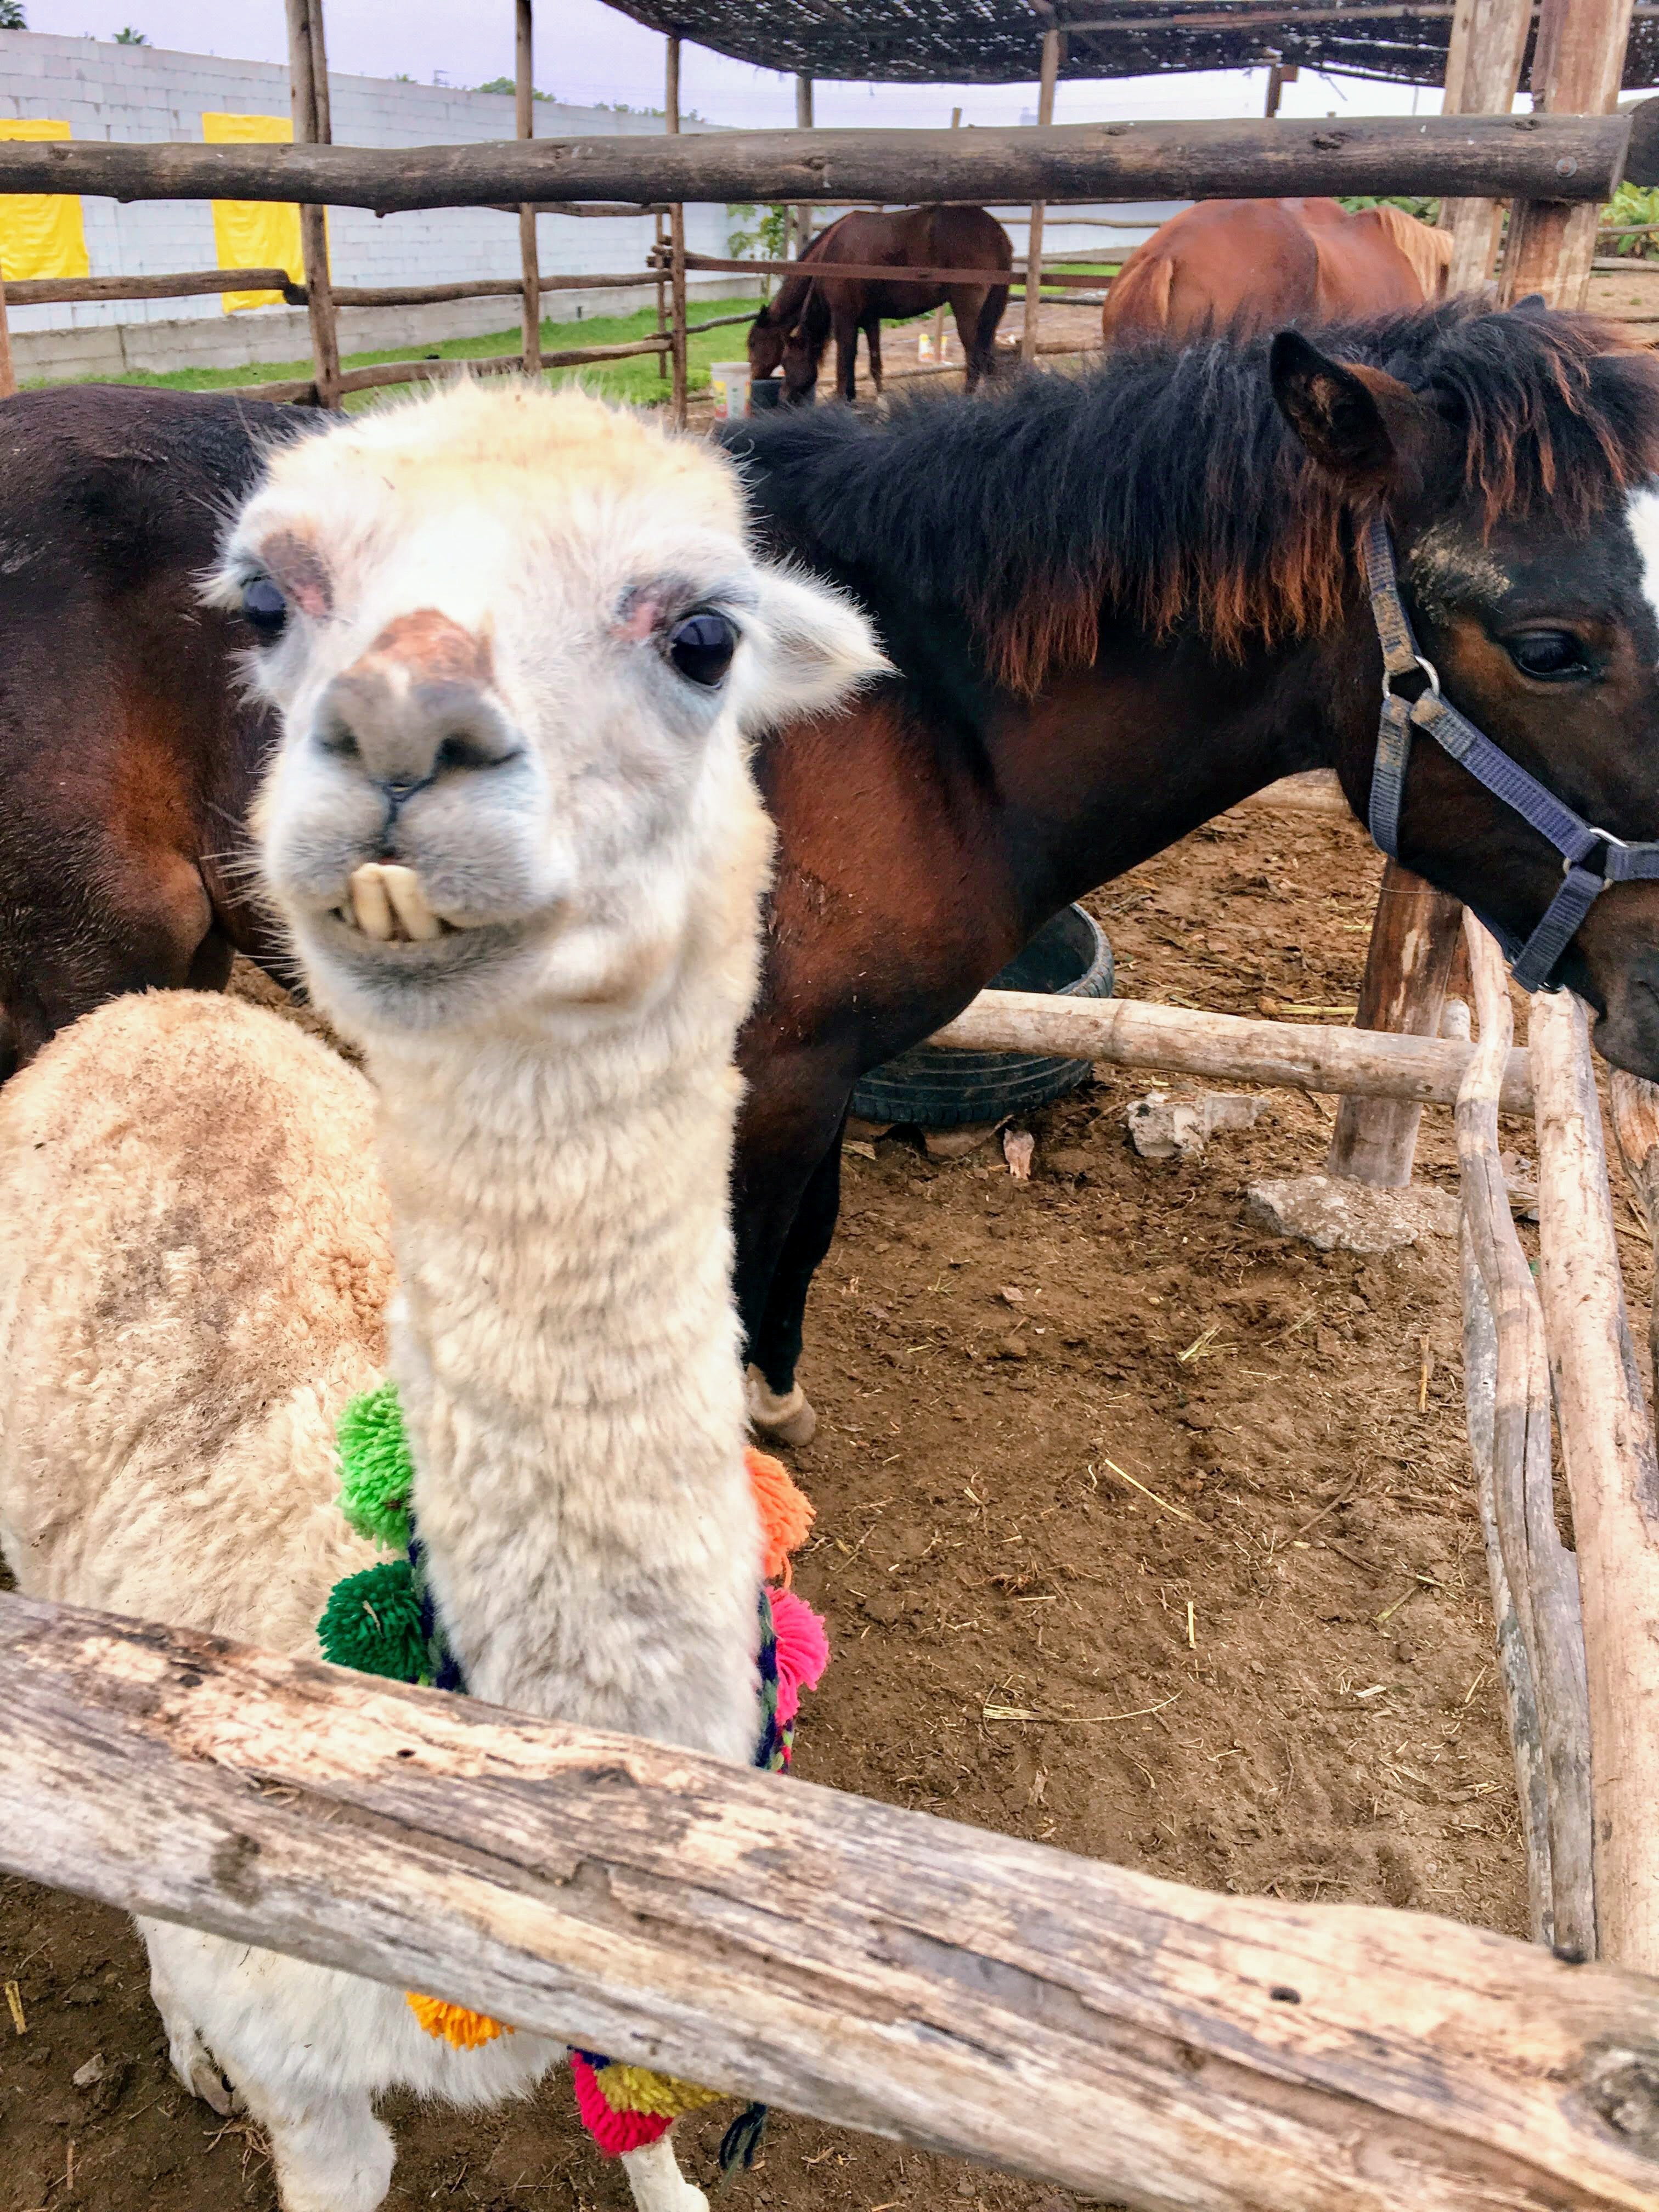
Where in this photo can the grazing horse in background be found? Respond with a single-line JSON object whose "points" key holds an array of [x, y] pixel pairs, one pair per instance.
{"points": [[1252, 265], [794, 330], [1115, 604]]}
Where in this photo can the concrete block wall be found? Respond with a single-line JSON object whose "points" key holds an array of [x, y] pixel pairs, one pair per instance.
{"points": [[137, 94]]}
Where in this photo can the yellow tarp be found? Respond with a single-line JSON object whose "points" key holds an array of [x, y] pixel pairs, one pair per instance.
{"points": [[254, 234], [40, 233]]}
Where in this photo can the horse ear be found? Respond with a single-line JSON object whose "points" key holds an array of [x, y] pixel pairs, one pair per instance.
{"points": [[1533, 303], [1352, 420]]}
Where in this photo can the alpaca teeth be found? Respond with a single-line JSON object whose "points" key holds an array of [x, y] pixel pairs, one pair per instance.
{"points": [[403, 888], [370, 904]]}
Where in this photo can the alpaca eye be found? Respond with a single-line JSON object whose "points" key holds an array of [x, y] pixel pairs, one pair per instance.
{"points": [[1546, 654], [263, 607], [700, 647]]}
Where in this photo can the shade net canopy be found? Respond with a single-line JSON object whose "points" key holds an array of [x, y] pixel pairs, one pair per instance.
{"points": [[1000, 42]]}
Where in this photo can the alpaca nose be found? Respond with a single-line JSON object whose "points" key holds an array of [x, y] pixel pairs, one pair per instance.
{"points": [[417, 706]]}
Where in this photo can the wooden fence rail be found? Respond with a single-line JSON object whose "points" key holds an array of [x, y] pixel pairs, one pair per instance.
{"points": [[1298, 1055], [1570, 157], [67, 291], [1130, 2038]]}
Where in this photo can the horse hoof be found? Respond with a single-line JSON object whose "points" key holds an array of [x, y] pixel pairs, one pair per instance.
{"points": [[786, 1421], [200, 2072]]}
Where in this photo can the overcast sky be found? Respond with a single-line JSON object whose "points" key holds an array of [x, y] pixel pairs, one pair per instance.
{"points": [[587, 52]]}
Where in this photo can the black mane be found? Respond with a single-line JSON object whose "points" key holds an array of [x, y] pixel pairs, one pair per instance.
{"points": [[1165, 488]]}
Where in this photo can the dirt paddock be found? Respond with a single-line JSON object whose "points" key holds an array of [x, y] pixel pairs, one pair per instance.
{"points": [[1140, 1532]]}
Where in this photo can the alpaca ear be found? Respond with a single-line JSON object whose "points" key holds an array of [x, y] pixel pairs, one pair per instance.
{"points": [[1356, 423], [812, 648]]}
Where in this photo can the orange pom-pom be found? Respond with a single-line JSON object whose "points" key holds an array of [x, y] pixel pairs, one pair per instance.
{"points": [[785, 1512], [465, 2029]]}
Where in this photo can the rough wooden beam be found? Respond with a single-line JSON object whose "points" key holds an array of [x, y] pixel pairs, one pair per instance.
{"points": [[8, 375], [1487, 71], [1294, 1055], [1029, 328], [64, 291], [677, 356], [525, 118], [1636, 1128], [1409, 964], [1577, 66], [308, 74], [1131, 2039], [1580, 157], [1534, 1578], [1608, 1448]]}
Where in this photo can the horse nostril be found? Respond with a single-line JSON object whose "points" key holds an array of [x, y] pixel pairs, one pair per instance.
{"points": [[338, 739], [461, 750]]}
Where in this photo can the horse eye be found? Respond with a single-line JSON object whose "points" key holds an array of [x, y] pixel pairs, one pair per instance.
{"points": [[1547, 653], [700, 647], [263, 607]]}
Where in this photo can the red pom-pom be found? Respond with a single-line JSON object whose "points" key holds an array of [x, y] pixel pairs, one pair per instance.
{"points": [[803, 1650], [614, 2132]]}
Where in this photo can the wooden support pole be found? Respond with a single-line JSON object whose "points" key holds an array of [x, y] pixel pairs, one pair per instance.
{"points": [[1483, 70], [938, 312], [676, 243], [8, 375], [1612, 1480], [1133, 2041], [1028, 336], [1578, 67], [1293, 1055], [308, 74], [1636, 1128], [801, 214], [659, 261], [1534, 1578], [1409, 964], [524, 88]]}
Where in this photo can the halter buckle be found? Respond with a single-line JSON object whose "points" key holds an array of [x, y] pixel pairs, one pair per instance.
{"points": [[1606, 837], [1424, 666]]}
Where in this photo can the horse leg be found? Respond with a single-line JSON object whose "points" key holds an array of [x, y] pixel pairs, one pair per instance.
{"points": [[654, 2175], [970, 311], [845, 327], [778, 1406], [872, 340]]}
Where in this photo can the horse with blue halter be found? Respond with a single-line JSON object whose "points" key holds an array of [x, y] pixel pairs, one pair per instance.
{"points": [[1115, 605]]}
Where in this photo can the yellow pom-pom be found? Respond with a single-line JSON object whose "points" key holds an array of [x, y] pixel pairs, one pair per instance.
{"points": [[637, 2089], [785, 1511], [466, 2030]]}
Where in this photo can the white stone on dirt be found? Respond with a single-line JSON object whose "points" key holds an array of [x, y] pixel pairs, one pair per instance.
{"points": [[1335, 1215], [1162, 1128]]}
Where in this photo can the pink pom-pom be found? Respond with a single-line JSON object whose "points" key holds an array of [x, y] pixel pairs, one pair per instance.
{"points": [[614, 2132], [803, 1650]]}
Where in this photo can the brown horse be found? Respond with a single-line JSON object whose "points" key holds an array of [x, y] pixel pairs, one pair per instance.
{"points": [[1255, 264], [794, 330], [1116, 606]]}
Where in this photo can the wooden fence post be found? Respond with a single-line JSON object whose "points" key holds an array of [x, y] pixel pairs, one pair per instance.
{"points": [[1483, 70], [1028, 340], [1408, 966], [802, 214], [524, 117], [8, 375], [308, 74], [676, 239], [1608, 1448], [1578, 67]]}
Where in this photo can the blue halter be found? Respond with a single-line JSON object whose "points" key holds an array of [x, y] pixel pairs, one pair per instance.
{"points": [[1532, 962]]}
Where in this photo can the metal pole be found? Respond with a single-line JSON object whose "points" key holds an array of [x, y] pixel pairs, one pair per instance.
{"points": [[308, 74], [524, 88], [676, 239], [1028, 341]]}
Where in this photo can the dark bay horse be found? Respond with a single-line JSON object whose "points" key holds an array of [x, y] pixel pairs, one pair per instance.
{"points": [[1257, 264], [1116, 606], [793, 329]]}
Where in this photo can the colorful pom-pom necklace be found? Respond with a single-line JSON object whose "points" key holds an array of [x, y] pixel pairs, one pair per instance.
{"points": [[383, 1621]]}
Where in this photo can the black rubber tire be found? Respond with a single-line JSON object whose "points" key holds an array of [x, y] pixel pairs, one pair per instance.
{"points": [[938, 1090]]}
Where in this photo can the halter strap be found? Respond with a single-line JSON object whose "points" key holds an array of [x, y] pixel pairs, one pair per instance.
{"points": [[1533, 961]]}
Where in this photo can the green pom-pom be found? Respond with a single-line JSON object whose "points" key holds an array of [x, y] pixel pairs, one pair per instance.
{"points": [[376, 1472], [372, 1622]]}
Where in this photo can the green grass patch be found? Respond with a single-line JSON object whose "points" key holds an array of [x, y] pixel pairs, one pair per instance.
{"points": [[635, 379]]}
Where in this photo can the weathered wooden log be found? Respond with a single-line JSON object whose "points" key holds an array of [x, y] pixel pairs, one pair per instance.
{"points": [[1577, 65], [501, 364], [1572, 157], [308, 89], [1129, 2039], [1636, 1131], [524, 88], [915, 272], [66, 291], [1534, 1578], [8, 375], [1408, 963], [1607, 1449], [1293, 1055], [300, 390]]}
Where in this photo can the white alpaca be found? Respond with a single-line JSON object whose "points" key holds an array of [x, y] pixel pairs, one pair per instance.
{"points": [[512, 827]]}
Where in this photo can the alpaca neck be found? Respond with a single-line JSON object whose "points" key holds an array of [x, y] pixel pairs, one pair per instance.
{"points": [[567, 1348]]}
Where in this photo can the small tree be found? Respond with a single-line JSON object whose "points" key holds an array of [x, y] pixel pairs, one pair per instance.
{"points": [[129, 36], [11, 15]]}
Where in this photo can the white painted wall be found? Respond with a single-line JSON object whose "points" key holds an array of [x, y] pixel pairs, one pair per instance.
{"points": [[141, 94]]}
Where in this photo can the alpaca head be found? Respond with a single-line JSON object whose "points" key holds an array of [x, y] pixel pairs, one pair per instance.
{"points": [[518, 642]]}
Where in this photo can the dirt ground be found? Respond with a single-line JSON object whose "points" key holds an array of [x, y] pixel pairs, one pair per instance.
{"points": [[1139, 1532]]}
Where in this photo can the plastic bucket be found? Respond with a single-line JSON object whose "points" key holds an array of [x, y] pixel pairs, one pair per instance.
{"points": [[765, 392], [729, 382]]}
